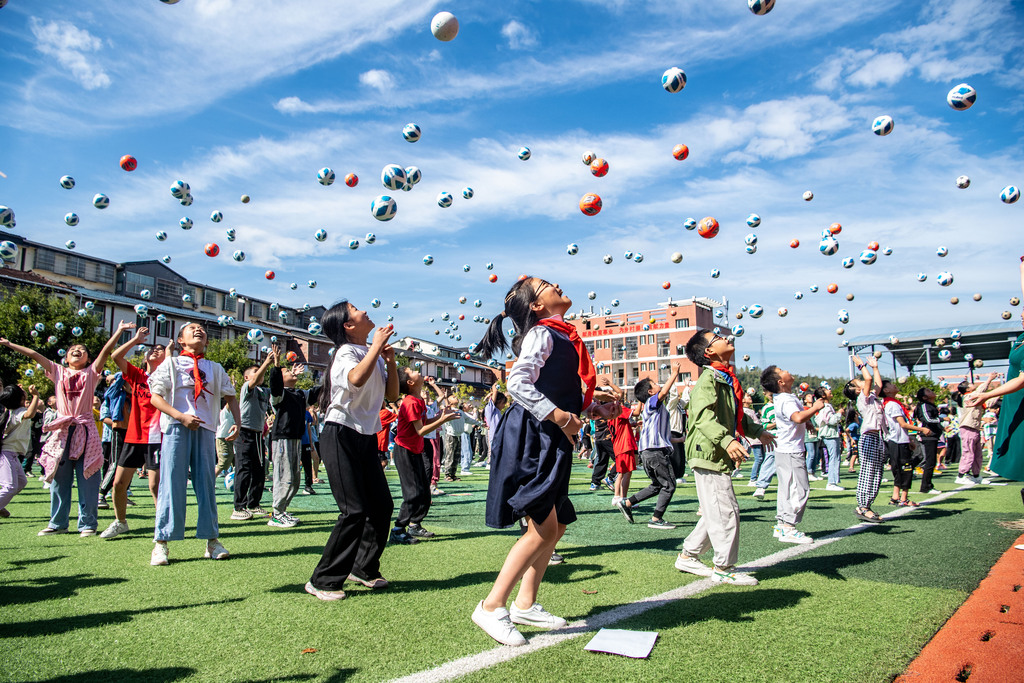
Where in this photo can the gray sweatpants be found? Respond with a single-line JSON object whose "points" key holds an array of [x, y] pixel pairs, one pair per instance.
{"points": [[287, 465], [791, 468], [719, 526]]}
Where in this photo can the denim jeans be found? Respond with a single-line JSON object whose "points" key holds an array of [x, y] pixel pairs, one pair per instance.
{"points": [[832, 448], [467, 451], [758, 452], [767, 473], [60, 495], [813, 456], [184, 449]]}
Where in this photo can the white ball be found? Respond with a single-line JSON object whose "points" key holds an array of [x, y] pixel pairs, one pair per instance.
{"points": [[325, 176], [70, 244], [314, 328], [255, 336], [141, 310], [8, 250], [572, 249], [393, 177], [750, 239], [428, 259], [216, 216], [465, 268], [186, 298], [180, 189], [607, 258], [444, 26], [676, 257], [848, 262], [238, 256], [798, 295], [921, 277], [230, 232], [320, 235], [525, 153], [638, 257], [867, 257], [761, 7], [844, 316], [1010, 194], [411, 132], [185, 223], [963, 182], [783, 312], [383, 208], [753, 220], [161, 235], [71, 219], [961, 97], [813, 288], [941, 251], [756, 311], [444, 200], [808, 196], [588, 158], [737, 330], [353, 244], [882, 125], [673, 80], [146, 294], [370, 238], [828, 246], [101, 201], [615, 302], [945, 354], [413, 175], [67, 182], [165, 258], [186, 200], [715, 272], [467, 193], [591, 295], [945, 278], [690, 223], [751, 248]]}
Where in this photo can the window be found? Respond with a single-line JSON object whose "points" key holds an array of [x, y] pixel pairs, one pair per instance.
{"points": [[100, 311], [214, 332], [104, 273], [136, 282], [255, 310], [190, 290], [210, 298], [45, 259], [141, 321], [74, 266], [163, 328], [682, 323], [125, 336], [168, 291], [590, 347], [230, 304]]}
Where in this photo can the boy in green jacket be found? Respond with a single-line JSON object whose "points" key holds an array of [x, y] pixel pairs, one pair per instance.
{"points": [[716, 417]]}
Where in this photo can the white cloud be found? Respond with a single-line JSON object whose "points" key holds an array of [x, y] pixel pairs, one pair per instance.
{"points": [[69, 44], [379, 79], [519, 37], [887, 68]]}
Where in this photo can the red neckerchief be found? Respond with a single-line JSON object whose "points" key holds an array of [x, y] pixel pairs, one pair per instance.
{"points": [[196, 377], [737, 389], [586, 369], [887, 401]]}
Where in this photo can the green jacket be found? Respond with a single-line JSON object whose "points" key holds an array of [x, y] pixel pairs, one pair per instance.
{"points": [[712, 422]]}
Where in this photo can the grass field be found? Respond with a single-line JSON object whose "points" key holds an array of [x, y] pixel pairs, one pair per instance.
{"points": [[857, 609]]}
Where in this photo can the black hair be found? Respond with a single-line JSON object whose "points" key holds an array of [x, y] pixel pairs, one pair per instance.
{"points": [[851, 415], [403, 380], [333, 326], [850, 391], [885, 383], [642, 390], [500, 399], [819, 392], [697, 346], [920, 394], [12, 396], [518, 300], [770, 379]]}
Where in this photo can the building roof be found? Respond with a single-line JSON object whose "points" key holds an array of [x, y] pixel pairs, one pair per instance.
{"points": [[987, 342], [19, 240], [28, 277]]}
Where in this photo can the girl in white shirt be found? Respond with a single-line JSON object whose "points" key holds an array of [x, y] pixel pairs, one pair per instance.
{"points": [[870, 451], [358, 380], [16, 430]]}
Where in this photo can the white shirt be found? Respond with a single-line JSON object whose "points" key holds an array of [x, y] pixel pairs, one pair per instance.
{"points": [[18, 434], [676, 405], [894, 432], [870, 410], [537, 346], [352, 406], [227, 420], [173, 382], [789, 436]]}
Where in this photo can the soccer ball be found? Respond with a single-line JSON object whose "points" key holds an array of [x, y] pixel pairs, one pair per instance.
{"points": [[591, 295], [813, 288], [599, 168], [708, 227], [351, 180], [269, 275], [216, 216], [383, 208], [238, 256], [882, 125], [444, 26], [129, 163], [165, 258], [832, 288], [887, 251], [141, 310], [715, 272], [370, 238], [945, 278], [680, 152], [1010, 194], [753, 220], [844, 316], [70, 244], [524, 153], [320, 235], [945, 354], [161, 235], [737, 330], [673, 80], [756, 311], [146, 294], [793, 244], [607, 258], [185, 223], [102, 201], [867, 257], [467, 193], [638, 257], [465, 268], [411, 132], [588, 158], [230, 232], [690, 223], [798, 295], [677, 257], [590, 204], [186, 200], [848, 262], [211, 249], [67, 182], [428, 259], [835, 228], [963, 182], [413, 175], [71, 219], [393, 177], [761, 7], [489, 266], [245, 199], [254, 336], [325, 176], [76, 331], [751, 248], [8, 250], [961, 97], [180, 189], [572, 249], [828, 246], [352, 244], [750, 239], [444, 200], [783, 312], [808, 196]]}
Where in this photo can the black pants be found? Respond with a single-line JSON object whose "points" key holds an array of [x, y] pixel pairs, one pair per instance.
{"points": [[678, 457], [415, 486], [663, 480], [361, 491], [110, 457], [953, 450], [307, 465], [931, 450], [250, 470], [899, 464], [601, 457]]}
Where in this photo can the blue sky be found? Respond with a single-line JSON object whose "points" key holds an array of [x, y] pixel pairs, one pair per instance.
{"points": [[253, 98]]}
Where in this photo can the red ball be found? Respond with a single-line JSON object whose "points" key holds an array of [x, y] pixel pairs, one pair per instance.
{"points": [[804, 386], [680, 152], [599, 167], [129, 163], [269, 275], [666, 285], [873, 246], [492, 277], [212, 249], [835, 228], [351, 180], [462, 316], [708, 227], [833, 288], [590, 204], [291, 356], [794, 244]]}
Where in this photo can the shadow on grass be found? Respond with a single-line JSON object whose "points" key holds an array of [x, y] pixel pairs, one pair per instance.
{"points": [[164, 675], [338, 676], [21, 564], [50, 627], [299, 550], [57, 588]]}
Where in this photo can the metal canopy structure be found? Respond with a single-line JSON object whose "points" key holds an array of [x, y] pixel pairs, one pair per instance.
{"points": [[990, 342]]}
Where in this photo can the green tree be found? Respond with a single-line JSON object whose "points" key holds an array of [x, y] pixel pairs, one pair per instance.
{"points": [[233, 355]]}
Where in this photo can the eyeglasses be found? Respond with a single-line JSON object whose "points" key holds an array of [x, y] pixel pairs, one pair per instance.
{"points": [[715, 337]]}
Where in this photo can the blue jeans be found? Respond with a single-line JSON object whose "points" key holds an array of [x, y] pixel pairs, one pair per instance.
{"points": [[60, 495], [185, 449], [832, 448], [767, 472], [813, 455], [758, 451], [467, 451]]}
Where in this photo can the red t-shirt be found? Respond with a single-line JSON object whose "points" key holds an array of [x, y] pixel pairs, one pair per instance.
{"points": [[144, 419], [413, 408], [386, 418], [623, 439]]}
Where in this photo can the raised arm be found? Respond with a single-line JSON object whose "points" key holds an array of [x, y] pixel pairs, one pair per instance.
{"points": [[360, 374], [101, 360], [33, 405], [25, 351], [257, 377], [667, 387], [979, 395], [118, 356]]}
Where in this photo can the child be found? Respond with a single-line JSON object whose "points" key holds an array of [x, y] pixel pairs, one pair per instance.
{"points": [[790, 458], [970, 430], [388, 416], [715, 419], [432, 454], [897, 443], [289, 406], [852, 436], [142, 438], [623, 442], [655, 447], [928, 415], [188, 390], [15, 440], [73, 450], [827, 422], [767, 471], [870, 450], [225, 449], [357, 381], [408, 458], [533, 445], [250, 470]]}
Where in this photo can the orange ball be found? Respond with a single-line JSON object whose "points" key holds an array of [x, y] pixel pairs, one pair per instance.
{"points": [[129, 163], [492, 277], [599, 167], [804, 386], [680, 152], [873, 246], [291, 356], [351, 180], [833, 288], [708, 227], [211, 249], [269, 275], [794, 244], [462, 316], [590, 204], [835, 228], [666, 285]]}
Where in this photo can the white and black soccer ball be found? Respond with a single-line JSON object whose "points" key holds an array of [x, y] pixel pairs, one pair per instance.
{"points": [[673, 80], [961, 97], [325, 176]]}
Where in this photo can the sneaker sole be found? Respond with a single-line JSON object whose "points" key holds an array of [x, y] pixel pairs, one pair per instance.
{"points": [[516, 643], [536, 624], [325, 595]]}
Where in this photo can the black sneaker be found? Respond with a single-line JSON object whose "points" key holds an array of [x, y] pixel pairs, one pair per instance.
{"points": [[419, 532], [103, 504], [400, 536], [626, 511], [555, 559], [308, 491], [130, 503]]}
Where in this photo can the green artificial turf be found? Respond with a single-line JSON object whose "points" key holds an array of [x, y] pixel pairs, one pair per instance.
{"points": [[858, 609]]}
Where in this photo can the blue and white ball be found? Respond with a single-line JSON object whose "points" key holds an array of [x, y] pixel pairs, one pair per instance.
{"points": [[945, 278], [715, 272], [887, 251], [737, 330], [311, 284], [945, 354], [673, 80], [411, 132], [413, 175], [165, 258], [615, 302], [186, 298], [638, 257], [238, 256], [393, 177], [141, 310], [761, 7], [477, 303], [71, 219], [941, 252], [314, 328], [8, 250], [325, 176], [76, 331], [921, 277], [186, 200], [756, 311], [867, 257], [848, 262], [955, 334], [444, 200], [828, 246], [185, 223], [753, 220], [467, 193], [489, 266], [101, 201], [90, 305], [67, 182], [963, 182], [229, 480], [230, 232], [161, 235], [146, 294], [59, 326], [572, 249], [844, 316], [255, 336], [375, 303], [465, 268], [428, 259], [882, 125], [180, 189], [383, 208], [216, 216], [321, 235], [1010, 194], [961, 97], [353, 244], [370, 238], [690, 223], [813, 288], [750, 239], [7, 217], [798, 295], [70, 244], [525, 153], [751, 248]]}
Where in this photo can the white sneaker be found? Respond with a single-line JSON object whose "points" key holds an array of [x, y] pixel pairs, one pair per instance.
{"points": [[615, 501], [934, 492], [732, 577], [240, 515], [834, 487], [751, 484], [794, 535], [811, 477], [692, 565], [159, 556], [960, 480], [49, 531], [465, 473], [86, 532], [680, 480], [116, 528], [979, 480], [777, 531], [758, 493], [216, 551], [535, 616], [498, 625]]}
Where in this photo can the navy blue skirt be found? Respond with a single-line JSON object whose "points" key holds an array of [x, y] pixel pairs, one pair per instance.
{"points": [[530, 466]]}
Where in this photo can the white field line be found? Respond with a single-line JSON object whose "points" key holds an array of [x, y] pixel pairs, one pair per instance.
{"points": [[488, 658]]}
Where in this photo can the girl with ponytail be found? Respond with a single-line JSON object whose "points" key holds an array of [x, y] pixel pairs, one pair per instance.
{"points": [[551, 383]]}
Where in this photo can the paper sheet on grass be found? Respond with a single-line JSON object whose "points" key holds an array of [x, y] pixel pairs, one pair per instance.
{"points": [[635, 644]]}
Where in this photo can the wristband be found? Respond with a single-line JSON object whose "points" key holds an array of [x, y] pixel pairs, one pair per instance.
{"points": [[567, 421], [861, 366]]}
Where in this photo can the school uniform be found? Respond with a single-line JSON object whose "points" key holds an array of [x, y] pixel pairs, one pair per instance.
{"points": [[655, 447], [408, 459]]}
